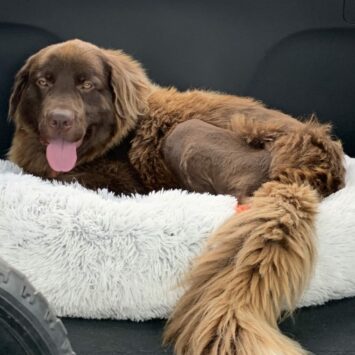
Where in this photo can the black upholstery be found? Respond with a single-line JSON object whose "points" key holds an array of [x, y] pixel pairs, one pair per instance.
{"points": [[297, 56], [312, 72]]}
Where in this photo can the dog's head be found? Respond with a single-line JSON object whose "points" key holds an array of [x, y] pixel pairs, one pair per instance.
{"points": [[78, 100]]}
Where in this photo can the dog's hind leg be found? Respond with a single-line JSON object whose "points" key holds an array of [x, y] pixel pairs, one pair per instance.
{"points": [[259, 262]]}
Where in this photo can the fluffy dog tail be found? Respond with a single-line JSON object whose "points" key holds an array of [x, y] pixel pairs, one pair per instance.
{"points": [[258, 263], [255, 266]]}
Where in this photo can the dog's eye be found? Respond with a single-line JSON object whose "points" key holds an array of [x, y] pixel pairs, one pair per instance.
{"points": [[42, 82], [87, 85]]}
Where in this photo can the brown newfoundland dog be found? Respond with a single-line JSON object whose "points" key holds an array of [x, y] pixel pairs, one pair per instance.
{"points": [[92, 115]]}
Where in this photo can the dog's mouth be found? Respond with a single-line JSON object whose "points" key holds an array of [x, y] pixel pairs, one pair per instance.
{"points": [[61, 154]]}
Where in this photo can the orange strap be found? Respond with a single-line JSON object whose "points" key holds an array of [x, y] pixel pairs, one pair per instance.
{"points": [[241, 208]]}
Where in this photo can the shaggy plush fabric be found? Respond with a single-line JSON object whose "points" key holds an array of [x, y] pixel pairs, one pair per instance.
{"points": [[94, 255]]}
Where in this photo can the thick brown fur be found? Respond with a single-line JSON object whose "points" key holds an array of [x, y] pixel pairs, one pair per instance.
{"points": [[257, 264]]}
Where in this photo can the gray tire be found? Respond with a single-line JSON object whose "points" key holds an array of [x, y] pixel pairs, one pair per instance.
{"points": [[28, 325]]}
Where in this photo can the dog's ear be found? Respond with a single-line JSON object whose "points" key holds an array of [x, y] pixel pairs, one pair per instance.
{"points": [[129, 84], [20, 83]]}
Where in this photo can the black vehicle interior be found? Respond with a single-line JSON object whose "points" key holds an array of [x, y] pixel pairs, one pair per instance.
{"points": [[296, 56]]}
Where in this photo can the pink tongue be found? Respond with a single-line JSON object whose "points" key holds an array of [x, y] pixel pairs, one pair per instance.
{"points": [[61, 155]]}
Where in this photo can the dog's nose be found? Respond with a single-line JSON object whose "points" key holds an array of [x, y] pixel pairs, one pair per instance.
{"points": [[61, 118]]}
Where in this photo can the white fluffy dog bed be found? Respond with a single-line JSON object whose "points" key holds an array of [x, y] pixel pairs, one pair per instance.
{"points": [[94, 255]]}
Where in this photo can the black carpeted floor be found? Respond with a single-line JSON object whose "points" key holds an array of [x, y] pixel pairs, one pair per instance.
{"points": [[325, 330]]}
